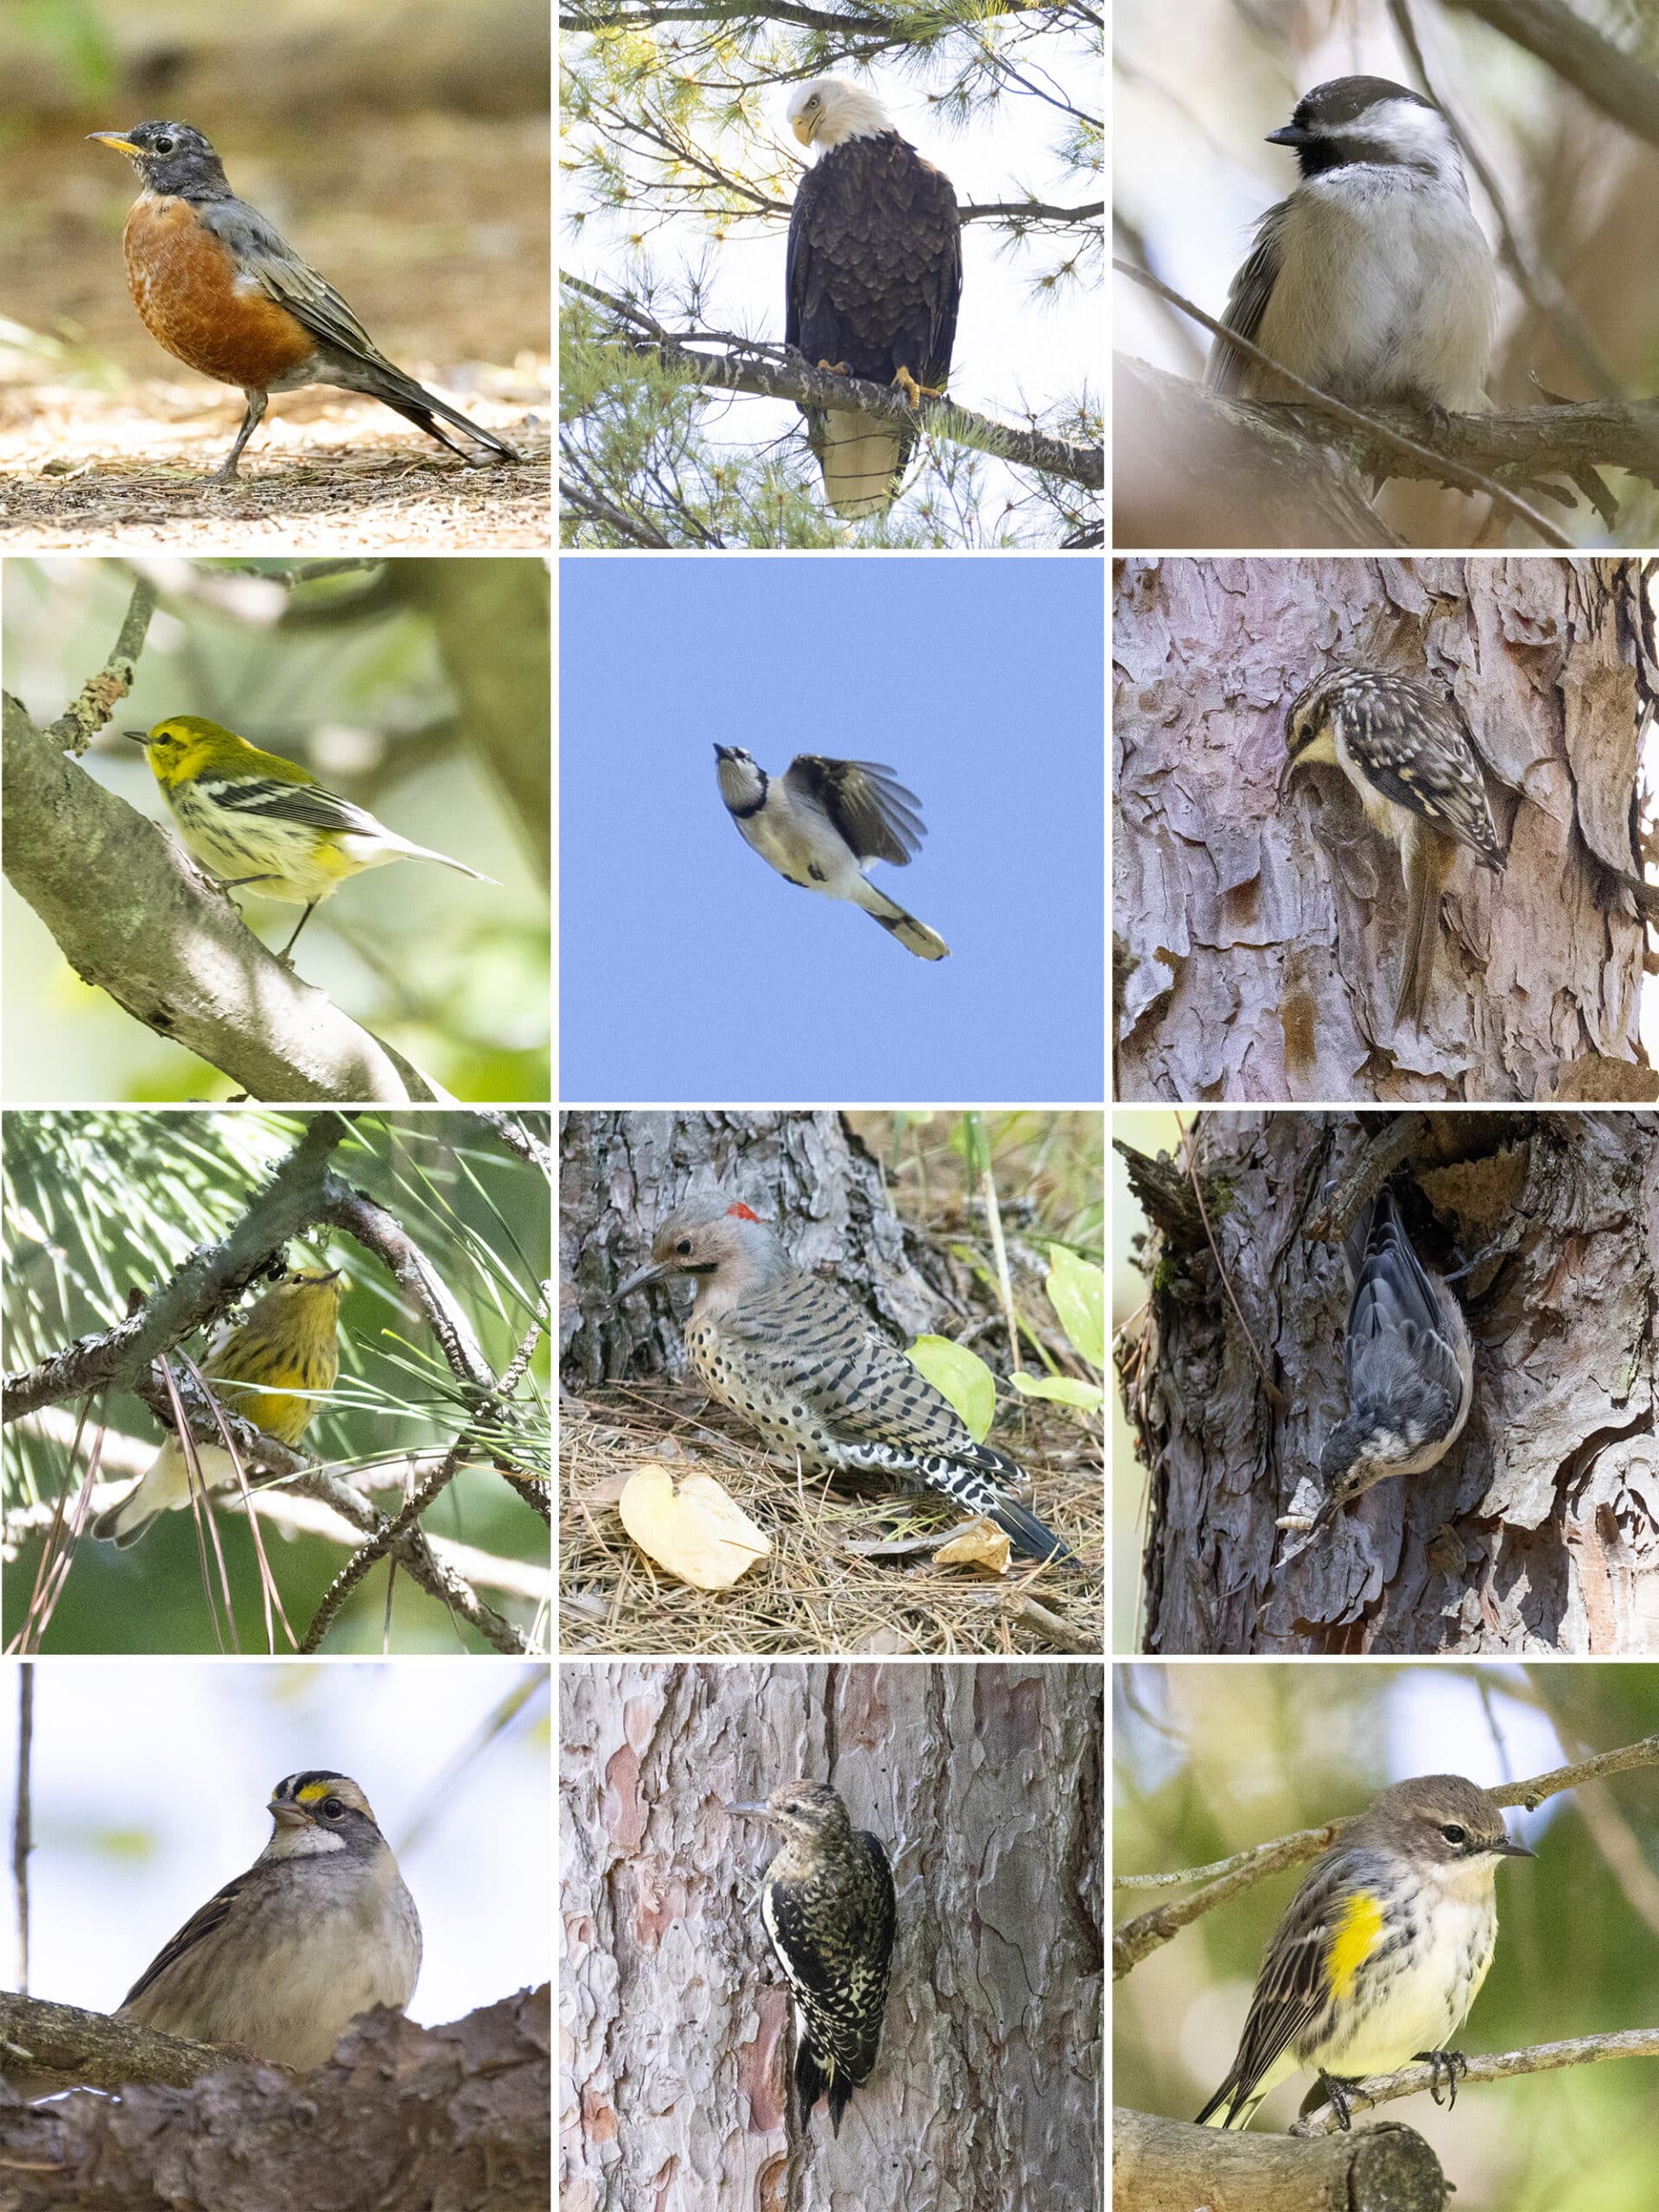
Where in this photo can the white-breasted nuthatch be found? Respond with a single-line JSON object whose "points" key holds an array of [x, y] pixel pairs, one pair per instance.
{"points": [[822, 822], [1408, 1361], [1373, 281], [1405, 748]]}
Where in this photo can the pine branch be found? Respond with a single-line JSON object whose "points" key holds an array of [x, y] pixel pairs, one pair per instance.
{"points": [[770, 371]]}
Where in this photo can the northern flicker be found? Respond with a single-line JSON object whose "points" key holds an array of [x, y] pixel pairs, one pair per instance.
{"points": [[828, 1906], [804, 1363], [821, 823]]}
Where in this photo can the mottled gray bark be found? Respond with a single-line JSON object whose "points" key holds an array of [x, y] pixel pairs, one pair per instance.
{"points": [[985, 1784], [1258, 941], [806, 1174], [1539, 1531], [1168, 2165]]}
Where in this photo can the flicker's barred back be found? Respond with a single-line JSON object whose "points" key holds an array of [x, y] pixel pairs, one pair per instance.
{"points": [[804, 1363], [828, 1906]]}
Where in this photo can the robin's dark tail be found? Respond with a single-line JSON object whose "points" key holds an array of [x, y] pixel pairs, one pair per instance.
{"points": [[421, 413]]}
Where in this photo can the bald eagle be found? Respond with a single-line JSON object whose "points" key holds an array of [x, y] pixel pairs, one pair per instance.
{"points": [[874, 276]]}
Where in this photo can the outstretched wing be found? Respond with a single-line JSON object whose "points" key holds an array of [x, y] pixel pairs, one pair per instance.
{"points": [[865, 801]]}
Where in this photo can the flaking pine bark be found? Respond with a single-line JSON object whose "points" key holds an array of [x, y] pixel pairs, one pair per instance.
{"points": [[1257, 938], [621, 1174], [1536, 1532], [984, 1784]]}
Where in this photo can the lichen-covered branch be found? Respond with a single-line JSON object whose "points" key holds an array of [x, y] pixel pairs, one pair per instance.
{"points": [[133, 916]]}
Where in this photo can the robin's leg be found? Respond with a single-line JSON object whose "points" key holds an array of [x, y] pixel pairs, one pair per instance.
{"points": [[257, 402]]}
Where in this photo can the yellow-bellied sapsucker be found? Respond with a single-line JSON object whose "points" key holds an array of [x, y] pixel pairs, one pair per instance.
{"points": [[1406, 750], [827, 1902]]}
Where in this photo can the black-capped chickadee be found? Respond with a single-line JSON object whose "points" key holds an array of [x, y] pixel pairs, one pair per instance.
{"points": [[1373, 280]]}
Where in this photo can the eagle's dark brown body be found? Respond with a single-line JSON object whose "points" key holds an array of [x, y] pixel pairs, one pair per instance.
{"points": [[874, 277]]}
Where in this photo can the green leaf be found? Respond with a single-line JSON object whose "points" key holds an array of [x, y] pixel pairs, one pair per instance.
{"points": [[965, 1379], [1065, 1389], [1077, 1294]]}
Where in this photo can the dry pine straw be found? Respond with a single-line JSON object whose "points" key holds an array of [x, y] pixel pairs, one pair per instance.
{"points": [[813, 1593]]}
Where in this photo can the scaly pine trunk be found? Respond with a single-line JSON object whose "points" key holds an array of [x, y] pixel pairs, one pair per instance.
{"points": [[1258, 944], [985, 1785]]}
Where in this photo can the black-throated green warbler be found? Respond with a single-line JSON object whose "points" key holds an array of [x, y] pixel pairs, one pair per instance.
{"points": [[264, 824], [287, 1342]]}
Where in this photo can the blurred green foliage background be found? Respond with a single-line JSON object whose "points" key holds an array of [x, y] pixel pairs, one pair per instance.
{"points": [[99, 1203], [1212, 1758]]}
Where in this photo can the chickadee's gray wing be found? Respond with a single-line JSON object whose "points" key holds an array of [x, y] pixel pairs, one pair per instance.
{"points": [[1247, 302], [1399, 1337], [871, 809]]}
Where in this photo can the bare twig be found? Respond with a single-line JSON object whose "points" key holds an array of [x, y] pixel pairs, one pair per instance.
{"points": [[1487, 2066], [22, 1838], [1137, 1939], [1430, 460]]}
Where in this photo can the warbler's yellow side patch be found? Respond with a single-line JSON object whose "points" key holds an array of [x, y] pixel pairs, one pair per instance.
{"points": [[1352, 1940]]}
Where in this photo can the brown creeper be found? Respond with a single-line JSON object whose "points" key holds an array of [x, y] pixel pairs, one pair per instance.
{"points": [[1407, 751]]}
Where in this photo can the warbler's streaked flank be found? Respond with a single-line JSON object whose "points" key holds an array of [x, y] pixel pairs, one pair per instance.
{"points": [[264, 824], [1382, 1952], [286, 1343]]}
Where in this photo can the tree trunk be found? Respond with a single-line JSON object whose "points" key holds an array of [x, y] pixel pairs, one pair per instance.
{"points": [[806, 1174], [1258, 942], [986, 2092], [1536, 1531], [403, 2119]]}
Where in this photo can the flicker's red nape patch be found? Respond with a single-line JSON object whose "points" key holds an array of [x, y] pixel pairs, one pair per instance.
{"points": [[741, 1212]]}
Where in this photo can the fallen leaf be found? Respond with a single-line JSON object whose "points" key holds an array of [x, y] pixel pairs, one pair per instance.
{"points": [[690, 1526], [982, 1544]]}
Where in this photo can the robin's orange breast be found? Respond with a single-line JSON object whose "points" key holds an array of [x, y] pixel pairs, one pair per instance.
{"points": [[184, 283]]}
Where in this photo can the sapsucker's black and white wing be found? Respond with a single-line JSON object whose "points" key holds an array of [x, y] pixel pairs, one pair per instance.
{"points": [[865, 801], [1246, 302]]}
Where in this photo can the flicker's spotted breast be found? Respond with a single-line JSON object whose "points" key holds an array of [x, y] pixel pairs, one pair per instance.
{"points": [[804, 1363]]}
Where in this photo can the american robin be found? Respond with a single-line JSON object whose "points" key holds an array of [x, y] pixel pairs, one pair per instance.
{"points": [[226, 294]]}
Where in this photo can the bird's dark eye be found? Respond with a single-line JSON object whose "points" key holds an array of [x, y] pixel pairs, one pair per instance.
{"points": [[334, 1808], [1453, 1834], [165, 145], [684, 1244]]}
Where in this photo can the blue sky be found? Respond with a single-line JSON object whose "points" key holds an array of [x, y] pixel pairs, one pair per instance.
{"points": [[689, 971]]}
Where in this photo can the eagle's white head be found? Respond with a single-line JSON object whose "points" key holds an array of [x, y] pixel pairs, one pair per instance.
{"points": [[831, 110]]}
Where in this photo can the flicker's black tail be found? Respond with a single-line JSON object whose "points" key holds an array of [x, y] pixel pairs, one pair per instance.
{"points": [[1028, 1535]]}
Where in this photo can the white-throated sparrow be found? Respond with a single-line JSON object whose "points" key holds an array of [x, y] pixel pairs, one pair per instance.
{"points": [[317, 1930]]}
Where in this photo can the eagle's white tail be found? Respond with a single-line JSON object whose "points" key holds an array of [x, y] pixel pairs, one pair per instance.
{"points": [[859, 461]]}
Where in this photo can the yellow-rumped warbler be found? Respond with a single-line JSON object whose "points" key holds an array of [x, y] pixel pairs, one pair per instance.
{"points": [[1382, 1951]]}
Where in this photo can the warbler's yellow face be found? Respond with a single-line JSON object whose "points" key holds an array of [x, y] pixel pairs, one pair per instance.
{"points": [[178, 746]]}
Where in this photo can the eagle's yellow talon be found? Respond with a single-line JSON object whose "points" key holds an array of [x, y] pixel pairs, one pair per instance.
{"points": [[916, 393]]}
